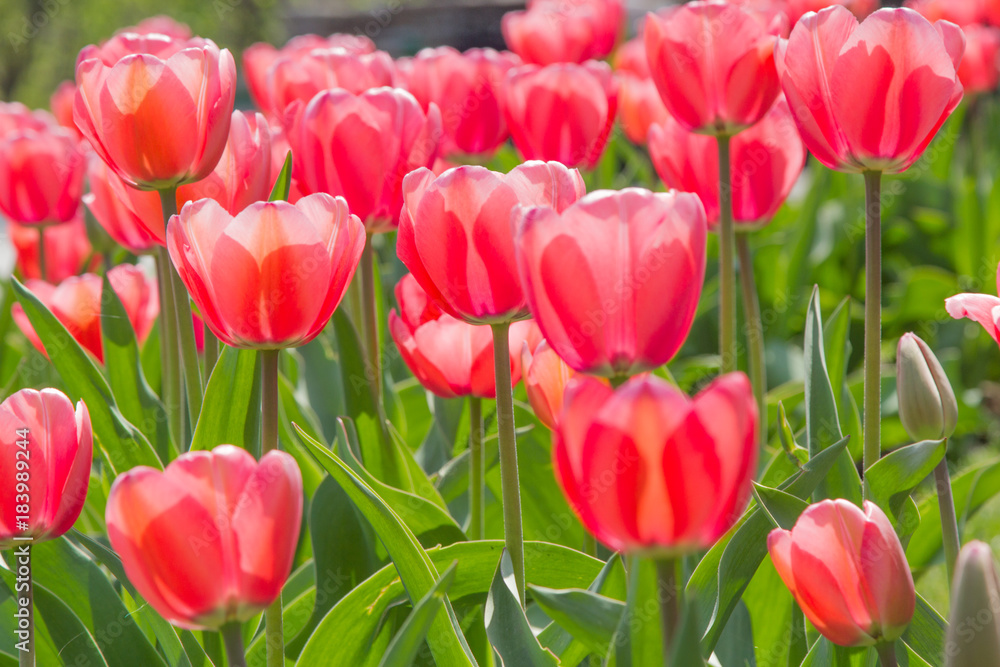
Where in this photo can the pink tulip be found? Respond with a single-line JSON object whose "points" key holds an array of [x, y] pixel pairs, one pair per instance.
{"points": [[766, 161], [796, 9], [361, 146], [133, 218], [159, 118], [61, 103], [981, 308], [41, 176], [15, 117], [979, 70], [271, 276], [631, 57], [66, 249], [467, 88], [564, 31], [613, 281], [160, 24], [648, 469], [211, 539], [966, 12], [713, 64], [639, 106], [561, 112], [47, 449], [545, 378], [870, 96], [76, 303], [455, 234], [847, 570], [448, 356], [243, 174]]}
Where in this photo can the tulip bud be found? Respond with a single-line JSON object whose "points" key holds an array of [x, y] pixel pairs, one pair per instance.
{"points": [[927, 405], [975, 594]]}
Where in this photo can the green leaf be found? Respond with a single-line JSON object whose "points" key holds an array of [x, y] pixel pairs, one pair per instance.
{"points": [[783, 509], [283, 183], [686, 649], [588, 616], [507, 626], [407, 642], [725, 571], [135, 398], [893, 478], [123, 444], [415, 567], [926, 634], [230, 413], [822, 422]]}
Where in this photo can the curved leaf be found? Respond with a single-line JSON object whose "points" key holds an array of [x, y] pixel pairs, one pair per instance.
{"points": [[506, 625]]}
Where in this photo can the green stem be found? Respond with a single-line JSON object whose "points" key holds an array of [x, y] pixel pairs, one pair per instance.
{"points": [[873, 317], [370, 319], [232, 637], [268, 442], [169, 353], [949, 522], [513, 537], [211, 350], [589, 544], [727, 270], [666, 577], [755, 332], [26, 658], [477, 471], [183, 320], [42, 272], [887, 654]]}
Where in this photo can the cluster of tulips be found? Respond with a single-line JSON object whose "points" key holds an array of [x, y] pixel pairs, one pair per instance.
{"points": [[262, 221]]}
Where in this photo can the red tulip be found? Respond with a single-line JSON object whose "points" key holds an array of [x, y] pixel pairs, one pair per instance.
{"points": [[870, 96], [564, 31], [76, 303], [713, 64], [561, 112], [648, 469], [766, 160], [631, 57], [981, 308], [545, 378], [133, 218], [61, 103], [361, 146], [455, 234], [41, 176], [979, 70], [159, 118], [467, 88], [847, 570], [211, 539], [796, 9], [449, 357], [243, 175], [272, 276], [14, 117], [47, 449], [613, 281], [66, 249], [300, 76]]}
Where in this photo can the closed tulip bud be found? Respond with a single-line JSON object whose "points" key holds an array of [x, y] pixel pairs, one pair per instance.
{"points": [[47, 449], [973, 638], [41, 176], [927, 405], [301, 76], [210, 540], [564, 31], [846, 568]]}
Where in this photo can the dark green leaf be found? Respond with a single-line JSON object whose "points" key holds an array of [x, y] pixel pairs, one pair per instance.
{"points": [[893, 477], [783, 509], [231, 411], [410, 637], [588, 616], [507, 626]]}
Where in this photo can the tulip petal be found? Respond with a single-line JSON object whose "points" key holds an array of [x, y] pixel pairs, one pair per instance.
{"points": [[978, 308]]}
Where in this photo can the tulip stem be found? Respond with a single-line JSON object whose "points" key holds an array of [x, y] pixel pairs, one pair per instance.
{"points": [[26, 658], [477, 471], [666, 577], [887, 654], [370, 319], [949, 522], [232, 637], [183, 321], [169, 354], [727, 270], [42, 273], [873, 318], [513, 538], [273, 629], [755, 332], [589, 543], [211, 350]]}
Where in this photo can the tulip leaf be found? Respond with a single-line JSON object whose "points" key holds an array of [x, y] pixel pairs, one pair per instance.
{"points": [[686, 649], [506, 625], [135, 398], [413, 564], [925, 635], [407, 642], [230, 413], [590, 617], [725, 571], [346, 635], [783, 509], [822, 421], [123, 444], [893, 477], [283, 183]]}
